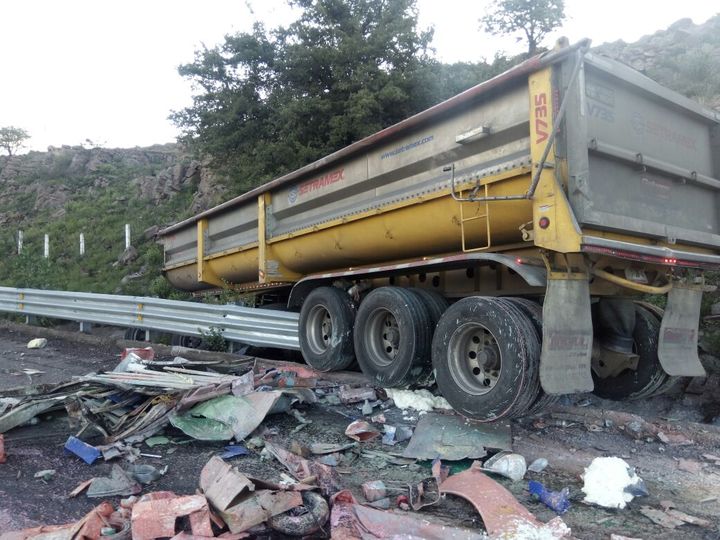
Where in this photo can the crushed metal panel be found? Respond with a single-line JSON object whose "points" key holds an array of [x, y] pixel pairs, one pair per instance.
{"points": [[155, 518], [349, 520], [222, 483], [453, 437], [497, 506], [258, 507], [326, 477]]}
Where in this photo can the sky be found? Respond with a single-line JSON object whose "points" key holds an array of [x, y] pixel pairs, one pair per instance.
{"points": [[106, 70]]}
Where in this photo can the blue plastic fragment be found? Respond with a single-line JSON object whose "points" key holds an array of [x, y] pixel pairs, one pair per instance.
{"points": [[234, 450], [555, 500], [82, 450]]}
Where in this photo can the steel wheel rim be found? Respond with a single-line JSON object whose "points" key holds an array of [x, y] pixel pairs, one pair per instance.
{"points": [[319, 329], [474, 359], [383, 337]]}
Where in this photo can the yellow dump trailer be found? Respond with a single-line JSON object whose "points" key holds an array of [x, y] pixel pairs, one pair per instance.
{"points": [[498, 242]]}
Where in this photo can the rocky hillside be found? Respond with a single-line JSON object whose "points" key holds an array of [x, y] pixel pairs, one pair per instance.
{"points": [[95, 191], [685, 57], [71, 190]]}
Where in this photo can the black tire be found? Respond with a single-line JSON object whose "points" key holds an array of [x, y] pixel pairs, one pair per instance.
{"points": [[649, 375], [304, 520], [393, 335], [435, 303], [508, 381], [191, 342], [534, 311], [672, 381], [135, 334], [326, 325]]}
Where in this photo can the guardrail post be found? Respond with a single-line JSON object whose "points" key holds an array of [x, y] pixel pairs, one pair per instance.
{"points": [[82, 244], [46, 247], [127, 235], [31, 320], [86, 327], [19, 242]]}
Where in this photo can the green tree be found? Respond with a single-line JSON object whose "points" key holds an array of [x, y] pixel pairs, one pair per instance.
{"points": [[12, 139], [270, 101], [535, 19]]}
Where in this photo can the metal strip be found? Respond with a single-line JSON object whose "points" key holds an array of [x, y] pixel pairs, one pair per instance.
{"points": [[661, 252], [259, 327]]}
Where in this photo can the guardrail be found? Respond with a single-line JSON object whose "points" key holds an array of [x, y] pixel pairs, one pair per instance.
{"points": [[252, 326]]}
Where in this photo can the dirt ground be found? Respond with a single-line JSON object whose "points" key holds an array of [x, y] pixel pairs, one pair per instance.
{"points": [[569, 447]]}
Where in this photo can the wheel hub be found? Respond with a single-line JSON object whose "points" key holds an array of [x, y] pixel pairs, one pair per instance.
{"points": [[474, 359], [319, 329]]}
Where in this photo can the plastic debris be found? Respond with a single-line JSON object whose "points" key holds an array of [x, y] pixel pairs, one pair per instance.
{"points": [[88, 453], [234, 450], [145, 474], [509, 465], [420, 400], [555, 500], [46, 474], [37, 343], [361, 431], [612, 483], [538, 465], [157, 440], [388, 435]]}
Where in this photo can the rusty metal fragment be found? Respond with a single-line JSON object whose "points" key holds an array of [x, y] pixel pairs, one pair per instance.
{"points": [[306, 470], [234, 496], [501, 513], [361, 431], [349, 520], [155, 514]]}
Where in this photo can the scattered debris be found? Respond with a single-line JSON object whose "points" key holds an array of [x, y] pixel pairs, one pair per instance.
{"points": [[3, 455], [37, 343], [611, 482], [322, 448], [119, 483], [502, 514], [226, 417], [349, 519], [420, 400], [555, 500], [356, 395], [156, 440], [155, 515], [671, 518], [689, 465], [89, 454], [145, 474], [507, 464], [361, 431], [302, 520], [452, 437], [234, 450], [374, 490], [46, 474], [306, 470], [538, 465]]}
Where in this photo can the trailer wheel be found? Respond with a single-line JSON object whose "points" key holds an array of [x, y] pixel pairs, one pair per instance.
{"points": [[191, 342], [672, 381], [486, 359], [534, 311], [649, 376], [135, 334], [393, 334], [435, 303], [326, 329]]}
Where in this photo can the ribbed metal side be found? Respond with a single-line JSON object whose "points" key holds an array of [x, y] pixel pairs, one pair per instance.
{"points": [[259, 327]]}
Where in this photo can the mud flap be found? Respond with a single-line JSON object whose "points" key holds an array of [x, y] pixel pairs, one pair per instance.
{"points": [[678, 344], [567, 337]]}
